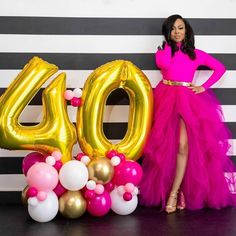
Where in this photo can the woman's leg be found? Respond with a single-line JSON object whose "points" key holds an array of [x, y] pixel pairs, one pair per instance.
{"points": [[182, 157], [181, 162]]}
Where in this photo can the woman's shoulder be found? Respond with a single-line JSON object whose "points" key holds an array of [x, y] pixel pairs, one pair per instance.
{"points": [[200, 53]]}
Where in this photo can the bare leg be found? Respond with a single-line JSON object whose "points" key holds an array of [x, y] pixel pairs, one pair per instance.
{"points": [[181, 162]]}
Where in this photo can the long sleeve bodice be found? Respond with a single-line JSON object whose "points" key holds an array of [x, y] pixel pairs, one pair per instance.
{"points": [[182, 68]]}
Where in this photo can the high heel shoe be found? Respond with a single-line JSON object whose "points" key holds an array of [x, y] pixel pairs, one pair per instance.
{"points": [[172, 202], [181, 201]]}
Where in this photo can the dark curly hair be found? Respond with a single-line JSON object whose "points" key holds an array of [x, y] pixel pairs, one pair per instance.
{"points": [[187, 46]]}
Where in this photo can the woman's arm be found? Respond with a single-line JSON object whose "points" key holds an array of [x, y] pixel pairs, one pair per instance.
{"points": [[217, 67], [163, 57]]}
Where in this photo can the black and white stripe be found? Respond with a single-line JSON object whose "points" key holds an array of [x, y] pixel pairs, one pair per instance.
{"points": [[80, 43]]}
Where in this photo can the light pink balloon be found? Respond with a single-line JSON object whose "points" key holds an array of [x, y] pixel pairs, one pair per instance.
{"points": [[57, 155], [99, 189], [68, 95], [129, 187], [42, 176], [41, 196]]}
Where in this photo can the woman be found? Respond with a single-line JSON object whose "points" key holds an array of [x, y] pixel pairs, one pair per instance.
{"points": [[186, 153]]}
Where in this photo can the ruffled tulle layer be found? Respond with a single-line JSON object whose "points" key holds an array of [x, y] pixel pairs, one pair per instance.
{"points": [[204, 183]]}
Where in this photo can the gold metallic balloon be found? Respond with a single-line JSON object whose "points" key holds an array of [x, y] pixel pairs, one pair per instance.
{"points": [[24, 198], [101, 170], [55, 132], [72, 204], [105, 79]]}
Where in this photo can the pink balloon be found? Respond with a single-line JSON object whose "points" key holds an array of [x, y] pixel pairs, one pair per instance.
{"points": [[122, 156], [31, 159], [127, 172], [129, 187], [58, 165], [41, 196], [57, 155], [109, 186], [59, 189], [127, 196], [42, 176], [89, 194], [68, 95], [31, 192], [99, 205], [79, 156], [76, 102], [99, 189], [111, 154]]}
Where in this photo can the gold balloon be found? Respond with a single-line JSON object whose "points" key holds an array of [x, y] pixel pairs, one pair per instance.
{"points": [[55, 132], [24, 198], [105, 79], [72, 204], [101, 170]]}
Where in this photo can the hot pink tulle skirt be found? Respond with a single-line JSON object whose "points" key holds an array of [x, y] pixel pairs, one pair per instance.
{"points": [[204, 183]]}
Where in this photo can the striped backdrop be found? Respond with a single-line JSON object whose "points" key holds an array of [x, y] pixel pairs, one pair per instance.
{"points": [[79, 36]]}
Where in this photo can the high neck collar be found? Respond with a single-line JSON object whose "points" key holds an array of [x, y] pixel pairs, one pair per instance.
{"points": [[179, 44]]}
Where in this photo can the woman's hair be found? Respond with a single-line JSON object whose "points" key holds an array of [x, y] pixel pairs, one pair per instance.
{"points": [[188, 43]]}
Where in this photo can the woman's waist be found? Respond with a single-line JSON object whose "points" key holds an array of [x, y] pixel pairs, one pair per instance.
{"points": [[177, 83]]}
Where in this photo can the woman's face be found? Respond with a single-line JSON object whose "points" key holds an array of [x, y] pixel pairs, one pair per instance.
{"points": [[177, 33]]}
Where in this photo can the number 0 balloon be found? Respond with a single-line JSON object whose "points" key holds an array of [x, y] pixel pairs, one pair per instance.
{"points": [[105, 79]]}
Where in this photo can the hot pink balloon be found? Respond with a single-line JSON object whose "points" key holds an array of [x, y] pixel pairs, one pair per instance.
{"points": [[42, 176], [76, 102], [128, 172], [31, 192], [89, 194], [59, 189], [31, 159], [99, 205], [111, 154], [127, 196], [109, 186]]}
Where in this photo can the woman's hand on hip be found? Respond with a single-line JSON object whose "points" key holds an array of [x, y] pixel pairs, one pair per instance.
{"points": [[197, 89]]}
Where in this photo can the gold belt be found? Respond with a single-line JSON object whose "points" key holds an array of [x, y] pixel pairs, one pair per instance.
{"points": [[176, 83]]}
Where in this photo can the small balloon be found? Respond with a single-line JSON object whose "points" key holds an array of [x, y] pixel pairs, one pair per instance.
{"points": [[109, 186], [32, 192], [68, 95], [78, 92], [76, 102]]}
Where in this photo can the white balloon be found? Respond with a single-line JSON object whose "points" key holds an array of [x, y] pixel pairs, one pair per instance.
{"points": [[115, 161], [45, 210], [33, 201], [73, 175], [120, 206], [85, 160], [91, 185], [78, 92], [121, 190], [50, 160]]}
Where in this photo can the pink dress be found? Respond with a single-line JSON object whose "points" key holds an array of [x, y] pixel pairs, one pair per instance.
{"points": [[204, 183]]}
